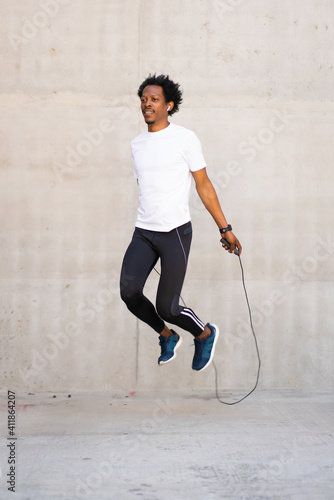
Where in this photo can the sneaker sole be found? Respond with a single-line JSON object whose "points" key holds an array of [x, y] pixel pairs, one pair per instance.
{"points": [[213, 348], [173, 357]]}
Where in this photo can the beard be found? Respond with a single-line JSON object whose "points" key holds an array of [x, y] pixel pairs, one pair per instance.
{"points": [[149, 120]]}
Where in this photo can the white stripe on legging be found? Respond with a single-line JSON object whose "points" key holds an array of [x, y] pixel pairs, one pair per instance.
{"points": [[192, 315]]}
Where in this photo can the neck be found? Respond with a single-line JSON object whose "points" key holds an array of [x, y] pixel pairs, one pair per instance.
{"points": [[156, 127]]}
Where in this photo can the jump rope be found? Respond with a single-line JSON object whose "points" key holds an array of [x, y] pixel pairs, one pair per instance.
{"points": [[236, 252]]}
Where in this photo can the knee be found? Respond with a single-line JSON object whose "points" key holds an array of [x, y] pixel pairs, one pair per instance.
{"points": [[129, 293], [168, 309], [164, 311]]}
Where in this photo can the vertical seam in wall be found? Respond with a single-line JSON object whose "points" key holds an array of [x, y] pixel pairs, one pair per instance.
{"points": [[139, 47], [137, 354], [139, 38], [139, 72]]}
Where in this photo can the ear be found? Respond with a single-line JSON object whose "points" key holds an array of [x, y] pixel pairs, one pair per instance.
{"points": [[170, 106]]}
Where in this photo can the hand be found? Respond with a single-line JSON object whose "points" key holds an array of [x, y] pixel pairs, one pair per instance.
{"points": [[233, 241]]}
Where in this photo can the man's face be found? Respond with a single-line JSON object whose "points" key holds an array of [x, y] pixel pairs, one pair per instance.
{"points": [[153, 105]]}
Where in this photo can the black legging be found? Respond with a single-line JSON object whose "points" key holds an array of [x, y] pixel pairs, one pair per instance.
{"points": [[141, 256]]}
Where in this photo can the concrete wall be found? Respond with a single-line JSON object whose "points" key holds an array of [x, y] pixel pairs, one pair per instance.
{"points": [[258, 91]]}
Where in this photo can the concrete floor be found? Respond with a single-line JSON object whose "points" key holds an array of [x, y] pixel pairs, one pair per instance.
{"points": [[274, 445]]}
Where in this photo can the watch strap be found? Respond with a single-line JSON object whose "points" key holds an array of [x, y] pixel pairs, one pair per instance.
{"points": [[225, 229]]}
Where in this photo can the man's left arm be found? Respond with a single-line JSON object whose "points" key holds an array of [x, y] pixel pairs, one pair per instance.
{"points": [[208, 195]]}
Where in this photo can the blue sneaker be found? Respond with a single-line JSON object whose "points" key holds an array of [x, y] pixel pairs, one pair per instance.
{"points": [[205, 349], [168, 347]]}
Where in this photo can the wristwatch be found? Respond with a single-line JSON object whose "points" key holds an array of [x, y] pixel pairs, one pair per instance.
{"points": [[225, 229]]}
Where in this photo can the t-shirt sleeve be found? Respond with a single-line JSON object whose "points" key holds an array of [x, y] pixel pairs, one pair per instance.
{"points": [[193, 153]]}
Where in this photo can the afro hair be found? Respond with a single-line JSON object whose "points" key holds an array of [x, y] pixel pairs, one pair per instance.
{"points": [[171, 90]]}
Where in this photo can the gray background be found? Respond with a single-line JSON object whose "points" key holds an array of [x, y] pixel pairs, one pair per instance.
{"points": [[258, 87]]}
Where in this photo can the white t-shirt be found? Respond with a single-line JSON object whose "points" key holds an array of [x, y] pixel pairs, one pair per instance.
{"points": [[162, 164]]}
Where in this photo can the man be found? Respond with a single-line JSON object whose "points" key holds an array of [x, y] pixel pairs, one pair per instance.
{"points": [[164, 159]]}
